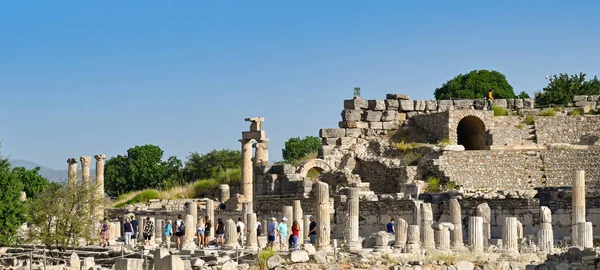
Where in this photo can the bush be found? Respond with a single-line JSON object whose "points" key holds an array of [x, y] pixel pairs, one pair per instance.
{"points": [[548, 112], [451, 185], [444, 142], [499, 111], [263, 257], [576, 112], [433, 185], [229, 176], [403, 146], [144, 196], [529, 119]]}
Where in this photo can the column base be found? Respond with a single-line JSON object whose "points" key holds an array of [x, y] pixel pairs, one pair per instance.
{"points": [[354, 247]]}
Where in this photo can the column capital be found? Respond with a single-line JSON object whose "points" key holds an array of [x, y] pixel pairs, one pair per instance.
{"points": [[100, 157], [85, 161], [72, 161]]}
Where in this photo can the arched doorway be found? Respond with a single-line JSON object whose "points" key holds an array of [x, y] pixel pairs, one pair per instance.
{"points": [[471, 133], [312, 168]]}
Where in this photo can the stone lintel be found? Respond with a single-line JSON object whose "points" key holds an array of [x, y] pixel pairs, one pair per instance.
{"points": [[253, 135]]}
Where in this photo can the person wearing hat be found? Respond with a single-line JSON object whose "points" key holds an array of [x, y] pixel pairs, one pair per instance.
{"points": [[271, 228], [282, 230]]}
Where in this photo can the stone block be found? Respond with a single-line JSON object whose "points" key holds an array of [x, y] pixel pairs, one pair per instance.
{"points": [[351, 115], [585, 103], [332, 132], [131, 264], [389, 116], [453, 147], [593, 98], [355, 104], [462, 104], [406, 105], [420, 105], [371, 132], [299, 256], [397, 96], [445, 105], [372, 116], [283, 169], [510, 103], [390, 125], [347, 141], [362, 125], [518, 104], [431, 105], [376, 125], [171, 262], [329, 141], [580, 98], [254, 135], [400, 117], [502, 103], [274, 261], [392, 104], [377, 105], [347, 124], [528, 103], [353, 132], [411, 114]]}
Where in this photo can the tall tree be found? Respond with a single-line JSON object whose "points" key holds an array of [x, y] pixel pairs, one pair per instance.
{"points": [[563, 87], [12, 210], [475, 85], [297, 148], [203, 166], [33, 182]]}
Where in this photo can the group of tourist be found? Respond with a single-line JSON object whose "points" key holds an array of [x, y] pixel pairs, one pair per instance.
{"points": [[279, 231], [131, 230]]}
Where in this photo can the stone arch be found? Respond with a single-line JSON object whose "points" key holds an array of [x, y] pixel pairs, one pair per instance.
{"points": [[318, 164], [471, 133]]}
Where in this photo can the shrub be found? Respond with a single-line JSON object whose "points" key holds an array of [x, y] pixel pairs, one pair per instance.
{"points": [[520, 126], [412, 159], [576, 112], [229, 176], [263, 256], [548, 112], [444, 142], [529, 119], [499, 111], [451, 185], [403, 146], [433, 185]]}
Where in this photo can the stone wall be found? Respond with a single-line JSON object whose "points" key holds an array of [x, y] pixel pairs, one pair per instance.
{"points": [[436, 124], [583, 129], [510, 130], [559, 165]]}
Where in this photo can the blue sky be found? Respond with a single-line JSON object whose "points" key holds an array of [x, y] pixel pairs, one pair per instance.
{"points": [[88, 77]]}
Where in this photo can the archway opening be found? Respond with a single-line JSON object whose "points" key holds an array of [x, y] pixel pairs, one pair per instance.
{"points": [[314, 172], [471, 133]]}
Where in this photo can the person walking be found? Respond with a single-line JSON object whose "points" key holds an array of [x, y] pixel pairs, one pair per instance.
{"points": [[179, 232], [490, 99], [168, 232], [271, 232], [240, 230], [220, 231], [207, 228], [200, 231], [104, 231], [148, 231], [295, 234], [312, 230], [136, 226], [258, 232], [128, 231], [282, 230]]}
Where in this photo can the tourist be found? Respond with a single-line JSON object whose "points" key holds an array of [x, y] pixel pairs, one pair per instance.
{"points": [[295, 234], [128, 231], [282, 230], [490, 99], [220, 231], [135, 225], [207, 228], [312, 230], [258, 232], [200, 229], [179, 232], [271, 230], [167, 232], [104, 231], [148, 231], [390, 227], [240, 230]]}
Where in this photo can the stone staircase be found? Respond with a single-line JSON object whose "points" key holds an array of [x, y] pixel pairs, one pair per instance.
{"points": [[531, 135]]}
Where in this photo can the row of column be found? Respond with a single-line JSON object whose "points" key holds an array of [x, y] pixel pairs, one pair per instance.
{"points": [[98, 193]]}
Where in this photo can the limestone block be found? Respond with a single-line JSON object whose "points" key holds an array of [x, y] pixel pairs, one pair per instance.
{"points": [[445, 105], [528, 103], [353, 132], [283, 169], [392, 104], [347, 141], [377, 105], [518, 104], [593, 98], [585, 103], [411, 114], [502, 103], [390, 125], [420, 105], [510, 103], [406, 105], [347, 124], [397, 96], [580, 98], [362, 125], [479, 104], [463, 104], [453, 147], [253, 135], [332, 133], [171, 262], [389, 116], [299, 256], [372, 116], [401, 117], [351, 115], [431, 105], [131, 264], [329, 141], [356, 104], [376, 125]]}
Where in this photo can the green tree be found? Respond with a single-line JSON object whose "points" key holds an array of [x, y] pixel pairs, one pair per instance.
{"points": [[12, 210], [475, 85], [32, 181], [563, 87], [141, 168], [209, 165], [523, 95], [297, 148]]}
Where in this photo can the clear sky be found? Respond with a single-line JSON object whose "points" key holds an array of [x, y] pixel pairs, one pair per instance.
{"points": [[87, 77]]}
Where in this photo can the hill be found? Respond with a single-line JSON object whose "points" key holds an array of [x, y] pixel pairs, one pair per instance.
{"points": [[51, 174]]}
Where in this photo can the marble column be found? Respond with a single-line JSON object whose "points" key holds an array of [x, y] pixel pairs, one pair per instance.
{"points": [[288, 212], [98, 197], [510, 235], [158, 231], [192, 210], [247, 172], [112, 236], [141, 221], [442, 235], [417, 213], [224, 193], [72, 172], [381, 242], [578, 204], [210, 212], [298, 217], [484, 211], [427, 236], [306, 221], [231, 236], [413, 244], [545, 234], [190, 230], [118, 228], [585, 234], [251, 239], [153, 240], [262, 153], [354, 243], [85, 171], [476, 234], [323, 217], [456, 219], [401, 227]]}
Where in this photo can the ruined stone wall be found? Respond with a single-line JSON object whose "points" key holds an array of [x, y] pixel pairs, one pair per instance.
{"points": [[510, 130], [559, 165], [583, 129], [383, 180], [436, 124]]}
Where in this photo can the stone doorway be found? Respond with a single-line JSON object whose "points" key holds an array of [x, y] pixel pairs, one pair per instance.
{"points": [[471, 133]]}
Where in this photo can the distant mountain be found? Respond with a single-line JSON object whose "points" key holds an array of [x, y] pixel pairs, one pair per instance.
{"points": [[51, 174]]}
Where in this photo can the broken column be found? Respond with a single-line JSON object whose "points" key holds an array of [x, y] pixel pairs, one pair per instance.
{"points": [[190, 230], [158, 231], [252, 238], [585, 234], [323, 217], [247, 172], [578, 204], [224, 193], [192, 209], [210, 212], [484, 211], [262, 152], [456, 219], [401, 228], [231, 236], [427, 236], [99, 194], [413, 237], [85, 171], [298, 217], [72, 173], [545, 234], [442, 235], [354, 243], [510, 235], [306, 221], [381, 242], [476, 234]]}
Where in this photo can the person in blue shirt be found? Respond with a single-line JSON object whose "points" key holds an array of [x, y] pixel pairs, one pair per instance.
{"points": [[390, 227], [282, 230], [271, 228]]}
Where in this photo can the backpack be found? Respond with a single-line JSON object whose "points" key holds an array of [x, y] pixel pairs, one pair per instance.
{"points": [[104, 227], [181, 227], [238, 228], [259, 228]]}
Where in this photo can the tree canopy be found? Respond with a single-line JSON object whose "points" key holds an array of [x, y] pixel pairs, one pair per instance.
{"points": [[12, 210], [297, 148], [209, 165], [475, 85], [563, 87], [33, 182]]}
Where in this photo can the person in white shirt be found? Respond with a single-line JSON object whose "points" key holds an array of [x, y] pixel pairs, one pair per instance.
{"points": [[240, 230]]}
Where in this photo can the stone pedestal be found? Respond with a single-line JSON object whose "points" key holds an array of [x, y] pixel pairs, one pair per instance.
{"points": [[510, 235], [442, 235], [140, 220], [298, 217], [476, 234], [401, 227], [427, 235], [118, 228], [112, 235], [323, 217], [129, 264], [72, 172], [224, 193], [545, 235], [413, 244], [585, 234], [354, 244], [456, 236], [247, 172], [99, 194], [578, 204], [210, 212], [230, 235], [381, 242], [252, 240]]}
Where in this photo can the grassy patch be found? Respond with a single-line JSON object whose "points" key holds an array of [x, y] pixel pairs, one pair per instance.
{"points": [[404, 146], [529, 119], [451, 185], [412, 158], [499, 111], [520, 126], [313, 173], [143, 196], [444, 142], [263, 257], [548, 112], [433, 185], [576, 112]]}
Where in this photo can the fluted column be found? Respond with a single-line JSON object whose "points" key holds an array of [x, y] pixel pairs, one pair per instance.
{"points": [[456, 219], [230, 235], [427, 235], [72, 172], [262, 153], [247, 173], [224, 193], [85, 171], [484, 211], [413, 244], [190, 230], [323, 217], [210, 212], [545, 234], [298, 217], [585, 234], [354, 243], [578, 204], [192, 210], [401, 228], [510, 235], [288, 212], [442, 235], [476, 234], [98, 196], [252, 239], [306, 221]]}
